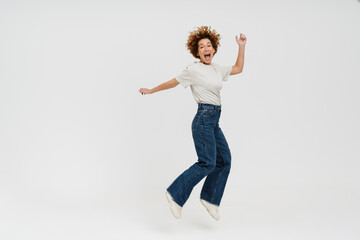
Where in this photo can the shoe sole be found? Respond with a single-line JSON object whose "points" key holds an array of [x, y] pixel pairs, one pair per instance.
{"points": [[208, 210], [167, 197]]}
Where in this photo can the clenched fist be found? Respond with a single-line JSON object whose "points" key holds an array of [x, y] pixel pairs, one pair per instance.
{"points": [[241, 40], [145, 91]]}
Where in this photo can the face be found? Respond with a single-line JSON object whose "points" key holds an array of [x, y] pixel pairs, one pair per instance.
{"points": [[205, 51]]}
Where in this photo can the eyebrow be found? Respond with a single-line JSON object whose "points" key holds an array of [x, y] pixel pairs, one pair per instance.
{"points": [[204, 44]]}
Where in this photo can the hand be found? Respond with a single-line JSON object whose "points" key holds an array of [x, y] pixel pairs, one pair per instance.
{"points": [[242, 40], [145, 91]]}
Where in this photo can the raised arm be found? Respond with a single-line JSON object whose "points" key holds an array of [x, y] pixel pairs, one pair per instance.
{"points": [[238, 67], [166, 85]]}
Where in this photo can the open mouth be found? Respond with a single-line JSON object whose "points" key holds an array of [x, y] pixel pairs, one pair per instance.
{"points": [[207, 56]]}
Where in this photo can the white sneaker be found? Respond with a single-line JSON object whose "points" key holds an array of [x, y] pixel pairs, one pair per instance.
{"points": [[175, 208], [211, 208]]}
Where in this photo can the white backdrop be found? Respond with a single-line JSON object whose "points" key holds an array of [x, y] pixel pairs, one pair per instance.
{"points": [[84, 155]]}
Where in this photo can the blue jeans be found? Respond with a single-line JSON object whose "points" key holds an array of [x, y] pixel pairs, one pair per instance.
{"points": [[214, 159]]}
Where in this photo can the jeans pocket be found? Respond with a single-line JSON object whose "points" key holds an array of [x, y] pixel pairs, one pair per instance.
{"points": [[209, 112]]}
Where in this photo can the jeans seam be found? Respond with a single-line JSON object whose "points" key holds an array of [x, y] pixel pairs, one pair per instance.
{"points": [[220, 174]]}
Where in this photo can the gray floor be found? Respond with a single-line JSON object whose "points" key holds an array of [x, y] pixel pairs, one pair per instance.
{"points": [[256, 212]]}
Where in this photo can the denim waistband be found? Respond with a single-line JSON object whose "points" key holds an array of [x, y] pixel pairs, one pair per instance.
{"points": [[208, 106]]}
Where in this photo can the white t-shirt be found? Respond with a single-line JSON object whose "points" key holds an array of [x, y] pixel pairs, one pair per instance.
{"points": [[205, 81]]}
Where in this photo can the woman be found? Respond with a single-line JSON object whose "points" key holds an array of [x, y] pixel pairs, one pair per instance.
{"points": [[214, 157]]}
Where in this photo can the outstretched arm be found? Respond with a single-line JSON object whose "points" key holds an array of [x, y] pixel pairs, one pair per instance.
{"points": [[238, 67], [166, 85]]}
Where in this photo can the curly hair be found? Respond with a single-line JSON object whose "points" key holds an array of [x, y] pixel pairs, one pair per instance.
{"points": [[201, 33]]}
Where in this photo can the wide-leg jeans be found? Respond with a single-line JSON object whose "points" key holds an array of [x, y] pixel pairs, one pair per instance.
{"points": [[214, 159]]}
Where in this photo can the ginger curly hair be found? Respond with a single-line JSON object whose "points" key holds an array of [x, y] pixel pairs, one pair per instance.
{"points": [[200, 33]]}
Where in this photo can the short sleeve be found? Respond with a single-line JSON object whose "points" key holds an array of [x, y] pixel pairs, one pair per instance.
{"points": [[226, 70], [184, 78], [223, 70]]}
